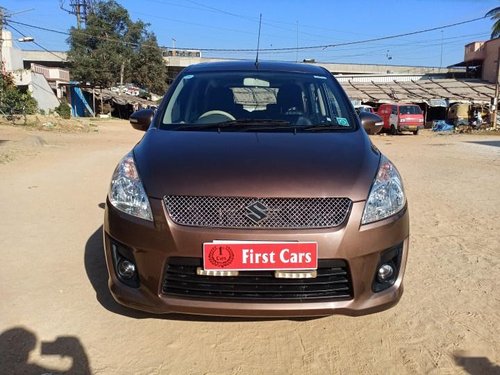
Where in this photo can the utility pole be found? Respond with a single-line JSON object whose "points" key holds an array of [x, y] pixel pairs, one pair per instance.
{"points": [[80, 8], [122, 68], [441, 59], [77, 10], [1, 38], [495, 99]]}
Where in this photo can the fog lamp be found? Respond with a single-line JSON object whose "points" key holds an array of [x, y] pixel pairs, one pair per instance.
{"points": [[201, 272], [295, 274], [126, 269], [385, 272]]}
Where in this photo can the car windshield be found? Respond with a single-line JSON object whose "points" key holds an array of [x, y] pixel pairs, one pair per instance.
{"points": [[365, 109], [410, 110], [257, 101]]}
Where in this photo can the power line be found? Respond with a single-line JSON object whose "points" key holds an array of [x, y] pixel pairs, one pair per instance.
{"points": [[37, 44], [325, 46], [271, 23], [221, 11], [282, 49], [196, 24], [69, 34], [398, 46], [39, 27]]}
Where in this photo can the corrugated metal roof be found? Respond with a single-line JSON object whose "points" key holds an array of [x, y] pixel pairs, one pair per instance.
{"points": [[378, 78], [418, 91]]}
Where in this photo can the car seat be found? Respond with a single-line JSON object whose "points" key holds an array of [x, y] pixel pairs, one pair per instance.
{"points": [[289, 99]]}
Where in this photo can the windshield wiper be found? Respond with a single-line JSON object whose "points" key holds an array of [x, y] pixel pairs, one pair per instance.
{"points": [[242, 124], [262, 121], [319, 127]]}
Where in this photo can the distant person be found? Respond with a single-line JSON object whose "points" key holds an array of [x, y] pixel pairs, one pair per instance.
{"points": [[478, 119]]}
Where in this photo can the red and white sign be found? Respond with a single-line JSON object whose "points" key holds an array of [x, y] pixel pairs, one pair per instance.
{"points": [[242, 255]]}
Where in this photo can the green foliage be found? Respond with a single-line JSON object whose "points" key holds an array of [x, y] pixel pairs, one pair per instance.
{"points": [[111, 39], [494, 14], [63, 110], [18, 102], [13, 100], [6, 80], [149, 67]]}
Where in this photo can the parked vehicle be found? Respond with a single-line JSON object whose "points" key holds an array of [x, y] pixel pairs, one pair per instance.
{"points": [[458, 114], [256, 192], [400, 117], [363, 108], [465, 114]]}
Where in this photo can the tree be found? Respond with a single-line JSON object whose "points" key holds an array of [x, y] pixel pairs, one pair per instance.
{"points": [[14, 101], [111, 40], [149, 65], [494, 14]]}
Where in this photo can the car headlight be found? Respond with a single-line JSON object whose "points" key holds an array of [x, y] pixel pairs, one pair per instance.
{"points": [[126, 192], [387, 196]]}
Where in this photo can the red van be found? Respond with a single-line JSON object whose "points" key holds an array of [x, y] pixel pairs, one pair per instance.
{"points": [[398, 117]]}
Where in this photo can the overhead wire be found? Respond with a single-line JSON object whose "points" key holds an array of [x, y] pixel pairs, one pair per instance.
{"points": [[267, 22], [36, 43], [325, 46], [409, 48], [294, 49], [371, 49]]}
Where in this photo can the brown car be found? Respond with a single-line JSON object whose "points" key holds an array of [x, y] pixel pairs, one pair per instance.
{"points": [[255, 191]]}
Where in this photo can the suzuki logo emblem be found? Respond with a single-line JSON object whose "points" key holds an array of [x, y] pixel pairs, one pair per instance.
{"points": [[256, 212]]}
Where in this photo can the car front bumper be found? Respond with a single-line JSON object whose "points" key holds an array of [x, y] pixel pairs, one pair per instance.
{"points": [[410, 127], [153, 244]]}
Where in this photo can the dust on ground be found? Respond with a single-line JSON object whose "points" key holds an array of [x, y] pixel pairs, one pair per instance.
{"points": [[57, 314], [23, 135]]}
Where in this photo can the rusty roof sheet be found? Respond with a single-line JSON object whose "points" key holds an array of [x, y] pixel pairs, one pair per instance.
{"points": [[418, 91]]}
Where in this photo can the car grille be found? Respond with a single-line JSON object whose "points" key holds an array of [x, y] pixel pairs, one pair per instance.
{"points": [[271, 213], [333, 283]]}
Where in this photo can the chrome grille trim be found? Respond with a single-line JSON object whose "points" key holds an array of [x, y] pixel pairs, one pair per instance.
{"points": [[282, 213]]}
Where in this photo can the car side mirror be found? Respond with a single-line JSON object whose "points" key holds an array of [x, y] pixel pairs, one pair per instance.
{"points": [[141, 119], [371, 122]]}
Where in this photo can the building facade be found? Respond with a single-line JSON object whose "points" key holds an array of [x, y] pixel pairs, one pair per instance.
{"points": [[46, 84], [485, 56]]}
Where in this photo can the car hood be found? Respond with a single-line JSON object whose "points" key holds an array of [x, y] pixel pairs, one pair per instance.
{"points": [[249, 164]]}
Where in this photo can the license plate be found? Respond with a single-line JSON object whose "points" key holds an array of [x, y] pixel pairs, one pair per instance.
{"points": [[243, 255]]}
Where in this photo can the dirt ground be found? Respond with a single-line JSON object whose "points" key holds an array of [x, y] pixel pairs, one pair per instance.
{"points": [[56, 314]]}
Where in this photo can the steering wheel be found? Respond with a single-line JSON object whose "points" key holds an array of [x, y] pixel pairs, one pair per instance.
{"points": [[224, 116], [293, 111]]}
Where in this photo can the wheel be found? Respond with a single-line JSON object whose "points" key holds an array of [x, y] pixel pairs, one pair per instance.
{"points": [[215, 116], [415, 132], [394, 130]]}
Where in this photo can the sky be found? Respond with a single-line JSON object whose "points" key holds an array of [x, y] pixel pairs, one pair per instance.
{"points": [[234, 24]]}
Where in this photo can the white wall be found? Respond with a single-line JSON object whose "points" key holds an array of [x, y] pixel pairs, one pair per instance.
{"points": [[11, 56], [42, 92]]}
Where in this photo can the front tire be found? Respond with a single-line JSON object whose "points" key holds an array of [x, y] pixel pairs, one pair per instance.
{"points": [[415, 132]]}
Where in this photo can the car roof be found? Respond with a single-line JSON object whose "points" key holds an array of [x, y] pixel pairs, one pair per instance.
{"points": [[252, 66], [399, 104]]}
